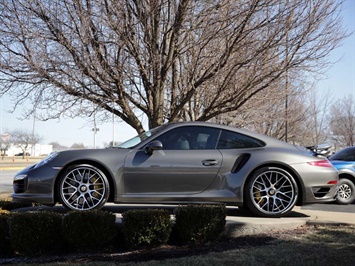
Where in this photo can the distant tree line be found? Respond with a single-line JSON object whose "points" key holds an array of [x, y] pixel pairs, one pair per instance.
{"points": [[19, 138]]}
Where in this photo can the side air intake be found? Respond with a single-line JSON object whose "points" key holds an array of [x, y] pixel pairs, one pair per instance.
{"points": [[240, 162]]}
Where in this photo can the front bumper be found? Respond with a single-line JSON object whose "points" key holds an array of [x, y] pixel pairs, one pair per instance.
{"points": [[35, 185]]}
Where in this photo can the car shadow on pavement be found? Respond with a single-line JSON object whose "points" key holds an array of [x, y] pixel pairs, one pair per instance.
{"points": [[240, 212], [232, 211]]}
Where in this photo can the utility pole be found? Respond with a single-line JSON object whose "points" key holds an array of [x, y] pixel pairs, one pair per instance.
{"points": [[95, 129]]}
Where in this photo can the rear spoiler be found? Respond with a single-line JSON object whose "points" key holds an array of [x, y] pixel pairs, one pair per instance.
{"points": [[321, 149]]}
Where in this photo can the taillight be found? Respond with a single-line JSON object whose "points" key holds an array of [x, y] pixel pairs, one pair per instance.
{"points": [[323, 163]]}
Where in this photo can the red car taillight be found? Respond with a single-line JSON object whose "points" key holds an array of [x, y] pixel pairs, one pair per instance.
{"points": [[333, 182], [323, 163]]}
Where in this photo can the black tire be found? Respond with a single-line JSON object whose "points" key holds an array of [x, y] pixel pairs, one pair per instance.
{"points": [[271, 192], [346, 192], [83, 187]]}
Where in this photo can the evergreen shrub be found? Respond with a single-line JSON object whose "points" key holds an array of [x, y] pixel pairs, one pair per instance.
{"points": [[36, 233], [199, 223], [89, 230], [146, 228], [5, 244]]}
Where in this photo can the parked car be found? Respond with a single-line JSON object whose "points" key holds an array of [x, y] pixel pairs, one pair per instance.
{"points": [[21, 154], [186, 162], [344, 161]]}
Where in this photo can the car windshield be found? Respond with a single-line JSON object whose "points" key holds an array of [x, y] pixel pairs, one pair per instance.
{"points": [[131, 143]]}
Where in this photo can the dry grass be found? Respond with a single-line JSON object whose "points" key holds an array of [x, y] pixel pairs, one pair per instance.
{"points": [[5, 196], [311, 246], [308, 245]]}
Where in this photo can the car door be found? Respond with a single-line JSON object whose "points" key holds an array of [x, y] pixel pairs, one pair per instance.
{"points": [[187, 164]]}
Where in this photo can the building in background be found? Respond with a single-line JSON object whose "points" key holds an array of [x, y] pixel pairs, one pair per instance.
{"points": [[38, 150]]}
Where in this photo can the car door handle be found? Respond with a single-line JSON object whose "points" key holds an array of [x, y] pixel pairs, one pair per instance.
{"points": [[209, 162]]}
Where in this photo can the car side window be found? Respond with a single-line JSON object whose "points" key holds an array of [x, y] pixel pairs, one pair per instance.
{"points": [[233, 140], [190, 138]]}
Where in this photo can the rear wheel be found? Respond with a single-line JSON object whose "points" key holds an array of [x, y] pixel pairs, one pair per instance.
{"points": [[271, 192], [83, 187], [346, 192]]}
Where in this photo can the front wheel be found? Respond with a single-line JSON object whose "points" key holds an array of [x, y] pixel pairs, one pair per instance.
{"points": [[83, 187], [346, 192], [271, 192]]}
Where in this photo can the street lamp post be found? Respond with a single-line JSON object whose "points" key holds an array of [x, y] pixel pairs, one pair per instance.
{"points": [[95, 129]]}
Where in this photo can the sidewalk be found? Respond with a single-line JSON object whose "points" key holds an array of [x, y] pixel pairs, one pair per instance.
{"points": [[238, 226], [329, 218]]}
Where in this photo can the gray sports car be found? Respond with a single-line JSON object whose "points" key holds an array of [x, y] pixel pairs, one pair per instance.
{"points": [[184, 162]]}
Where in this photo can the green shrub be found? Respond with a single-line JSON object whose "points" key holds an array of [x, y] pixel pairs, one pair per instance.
{"points": [[89, 230], [146, 228], [9, 205], [199, 223], [5, 244], [36, 233]]}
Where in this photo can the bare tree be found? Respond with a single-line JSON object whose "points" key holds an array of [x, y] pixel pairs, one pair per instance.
{"points": [[342, 121], [24, 140], [267, 113], [4, 144], [77, 146], [160, 60], [317, 122], [57, 146]]}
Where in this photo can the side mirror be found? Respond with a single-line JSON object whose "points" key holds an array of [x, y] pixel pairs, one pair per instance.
{"points": [[152, 146]]}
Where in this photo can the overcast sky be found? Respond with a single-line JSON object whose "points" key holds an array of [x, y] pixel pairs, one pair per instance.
{"points": [[340, 82]]}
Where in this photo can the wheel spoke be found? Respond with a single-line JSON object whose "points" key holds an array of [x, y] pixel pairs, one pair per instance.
{"points": [[273, 192], [83, 188], [344, 191]]}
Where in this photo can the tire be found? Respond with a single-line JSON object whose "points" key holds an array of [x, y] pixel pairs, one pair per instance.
{"points": [[271, 192], [83, 187], [346, 192]]}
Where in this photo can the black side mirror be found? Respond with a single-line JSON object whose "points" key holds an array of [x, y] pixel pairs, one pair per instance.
{"points": [[152, 146]]}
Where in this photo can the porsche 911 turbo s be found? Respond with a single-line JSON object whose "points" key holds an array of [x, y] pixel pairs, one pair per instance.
{"points": [[184, 162]]}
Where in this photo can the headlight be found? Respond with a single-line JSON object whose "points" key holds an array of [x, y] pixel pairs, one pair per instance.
{"points": [[19, 177], [49, 158]]}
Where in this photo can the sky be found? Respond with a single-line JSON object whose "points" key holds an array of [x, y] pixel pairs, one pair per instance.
{"points": [[341, 77], [340, 82]]}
